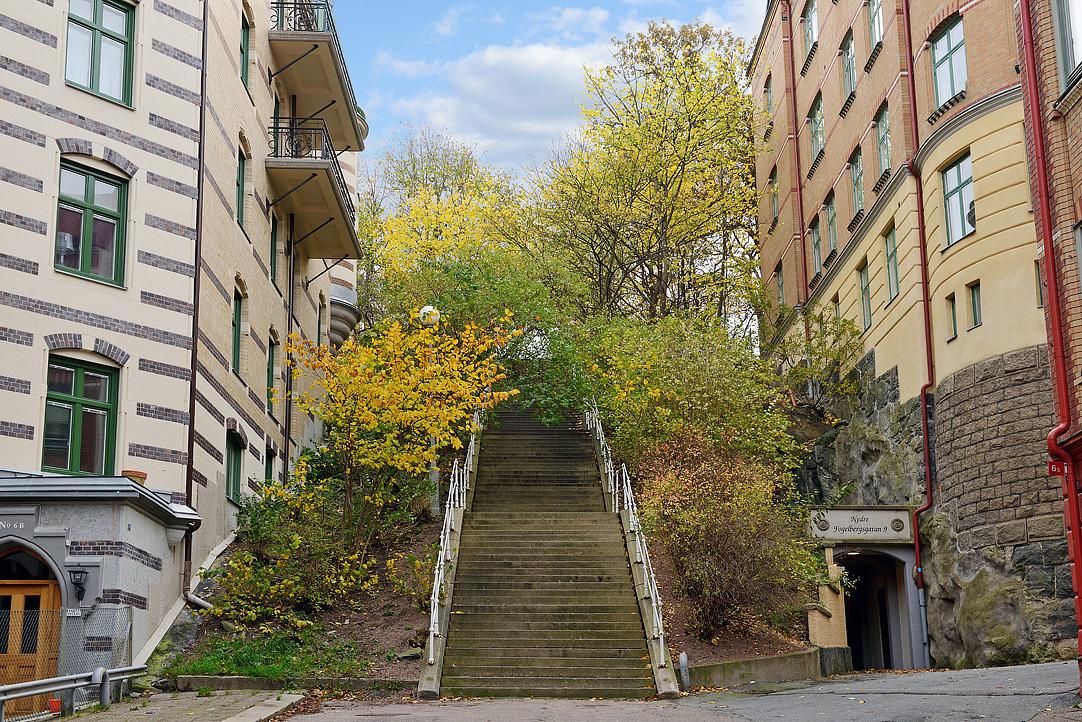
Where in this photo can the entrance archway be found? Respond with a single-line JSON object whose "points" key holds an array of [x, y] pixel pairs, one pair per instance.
{"points": [[876, 610], [30, 603]]}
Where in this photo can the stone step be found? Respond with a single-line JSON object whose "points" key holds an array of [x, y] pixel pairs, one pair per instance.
{"points": [[481, 624], [535, 570], [467, 583], [539, 655], [569, 639], [533, 685], [564, 669], [474, 577]]}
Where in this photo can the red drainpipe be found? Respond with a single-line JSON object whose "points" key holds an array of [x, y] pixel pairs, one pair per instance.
{"points": [[1055, 318], [929, 487], [788, 43]]}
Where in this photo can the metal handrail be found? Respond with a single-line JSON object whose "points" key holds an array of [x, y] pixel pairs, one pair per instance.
{"points": [[101, 676], [618, 488], [310, 16], [308, 138], [461, 474]]}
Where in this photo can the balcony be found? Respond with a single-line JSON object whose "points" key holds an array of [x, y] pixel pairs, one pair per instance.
{"points": [[308, 182], [345, 316], [309, 61]]}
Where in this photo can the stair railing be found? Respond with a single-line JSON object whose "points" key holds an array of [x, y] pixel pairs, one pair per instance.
{"points": [[621, 496], [462, 474]]}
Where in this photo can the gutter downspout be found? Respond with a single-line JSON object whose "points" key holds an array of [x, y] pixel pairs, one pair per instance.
{"points": [[791, 88], [189, 477], [1055, 318], [922, 237], [289, 335]]}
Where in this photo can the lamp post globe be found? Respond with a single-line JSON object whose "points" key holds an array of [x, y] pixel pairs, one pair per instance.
{"points": [[430, 316]]}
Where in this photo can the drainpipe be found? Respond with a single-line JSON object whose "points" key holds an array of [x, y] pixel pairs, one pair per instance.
{"points": [[787, 29], [289, 332], [1055, 318], [929, 353], [189, 477]]}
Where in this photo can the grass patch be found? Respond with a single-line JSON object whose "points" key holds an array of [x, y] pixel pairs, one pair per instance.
{"points": [[273, 657]]}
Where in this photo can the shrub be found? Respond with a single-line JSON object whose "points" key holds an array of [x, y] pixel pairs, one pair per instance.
{"points": [[734, 530], [411, 576]]}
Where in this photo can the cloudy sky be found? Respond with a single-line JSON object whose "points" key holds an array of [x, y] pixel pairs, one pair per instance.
{"points": [[502, 75]]}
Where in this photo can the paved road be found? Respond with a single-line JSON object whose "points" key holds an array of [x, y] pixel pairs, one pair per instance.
{"points": [[1008, 694], [189, 707]]}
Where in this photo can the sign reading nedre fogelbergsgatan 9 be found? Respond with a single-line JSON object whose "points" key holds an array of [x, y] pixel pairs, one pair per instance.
{"points": [[862, 524]]}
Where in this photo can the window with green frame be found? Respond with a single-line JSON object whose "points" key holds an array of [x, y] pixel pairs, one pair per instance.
{"points": [[234, 456], [882, 139], [238, 316], [949, 72], [976, 317], [958, 199], [91, 219], [865, 295], [274, 249], [100, 42], [875, 22], [768, 92], [893, 281], [245, 47], [811, 26], [832, 223], [268, 463], [816, 244], [80, 418], [837, 304], [856, 177], [1068, 22], [779, 282], [816, 127], [242, 163], [774, 194], [319, 322], [849, 65], [952, 318], [272, 352]]}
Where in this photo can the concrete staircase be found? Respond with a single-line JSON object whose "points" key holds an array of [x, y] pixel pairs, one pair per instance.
{"points": [[544, 603]]}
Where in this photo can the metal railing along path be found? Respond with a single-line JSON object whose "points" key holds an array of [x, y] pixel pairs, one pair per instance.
{"points": [[622, 498], [101, 677], [461, 476]]}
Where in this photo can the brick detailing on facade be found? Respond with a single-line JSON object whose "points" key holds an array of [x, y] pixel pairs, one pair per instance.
{"points": [[61, 341], [178, 497], [119, 162], [110, 351], [155, 453], [16, 178], [163, 369], [167, 264], [176, 54], [160, 121], [16, 431], [209, 407], [168, 10], [27, 71], [111, 548], [162, 413], [232, 427], [76, 146], [28, 31], [218, 355], [164, 224], [174, 186], [217, 284], [18, 386], [198, 478], [94, 126], [203, 443], [17, 220], [67, 313], [173, 89], [11, 335], [20, 133], [169, 304], [217, 386], [18, 264], [119, 596]]}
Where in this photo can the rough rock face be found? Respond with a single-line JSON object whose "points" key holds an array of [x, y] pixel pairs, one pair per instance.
{"points": [[998, 584]]}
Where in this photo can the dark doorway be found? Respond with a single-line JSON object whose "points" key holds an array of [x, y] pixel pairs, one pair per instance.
{"points": [[872, 614]]}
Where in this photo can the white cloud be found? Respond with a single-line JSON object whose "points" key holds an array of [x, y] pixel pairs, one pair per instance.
{"points": [[512, 102], [573, 23], [404, 67], [744, 18], [447, 25]]}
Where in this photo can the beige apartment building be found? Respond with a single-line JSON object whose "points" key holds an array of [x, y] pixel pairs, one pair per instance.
{"points": [[895, 193], [176, 199]]}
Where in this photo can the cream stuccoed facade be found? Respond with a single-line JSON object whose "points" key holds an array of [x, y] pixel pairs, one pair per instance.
{"points": [[176, 198]]}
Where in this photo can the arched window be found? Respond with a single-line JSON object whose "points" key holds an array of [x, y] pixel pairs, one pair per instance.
{"points": [[234, 464], [272, 369], [80, 418], [91, 218]]}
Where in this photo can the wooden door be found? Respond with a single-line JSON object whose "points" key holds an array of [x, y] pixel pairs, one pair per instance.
{"points": [[29, 637]]}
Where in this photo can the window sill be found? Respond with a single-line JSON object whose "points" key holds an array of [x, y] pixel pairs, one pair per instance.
{"points": [[96, 94], [873, 55], [974, 327], [235, 502], [955, 244], [87, 277], [892, 300], [1072, 92], [947, 105], [808, 59], [952, 338]]}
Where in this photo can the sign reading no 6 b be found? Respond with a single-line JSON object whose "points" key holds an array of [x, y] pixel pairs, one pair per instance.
{"points": [[861, 524]]}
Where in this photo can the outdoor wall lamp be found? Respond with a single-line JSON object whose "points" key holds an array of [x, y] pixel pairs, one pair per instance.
{"points": [[78, 579]]}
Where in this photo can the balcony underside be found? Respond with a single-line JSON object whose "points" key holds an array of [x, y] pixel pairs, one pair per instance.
{"points": [[318, 197], [316, 79], [345, 317]]}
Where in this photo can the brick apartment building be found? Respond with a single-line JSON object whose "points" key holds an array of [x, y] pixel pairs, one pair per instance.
{"points": [[895, 193], [177, 185]]}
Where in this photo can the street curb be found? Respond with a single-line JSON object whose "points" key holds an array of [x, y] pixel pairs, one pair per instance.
{"points": [[267, 709], [194, 683]]}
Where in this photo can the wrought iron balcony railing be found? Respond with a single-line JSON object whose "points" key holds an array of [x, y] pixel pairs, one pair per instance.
{"points": [[306, 139], [310, 16]]}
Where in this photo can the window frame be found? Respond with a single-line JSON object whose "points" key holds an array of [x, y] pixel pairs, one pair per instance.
{"points": [[1068, 49], [77, 402], [245, 48], [810, 16], [832, 222], [779, 283], [894, 285], [960, 190], [816, 244], [97, 29], [1038, 274], [268, 464], [856, 179], [234, 466], [768, 93], [952, 317], [273, 260], [272, 350], [942, 57], [774, 204], [882, 139], [242, 183], [976, 314], [89, 212], [875, 22], [817, 127], [237, 335], [849, 66], [865, 278]]}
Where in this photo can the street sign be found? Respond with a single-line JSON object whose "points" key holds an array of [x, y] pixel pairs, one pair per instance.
{"points": [[868, 524], [1057, 468]]}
